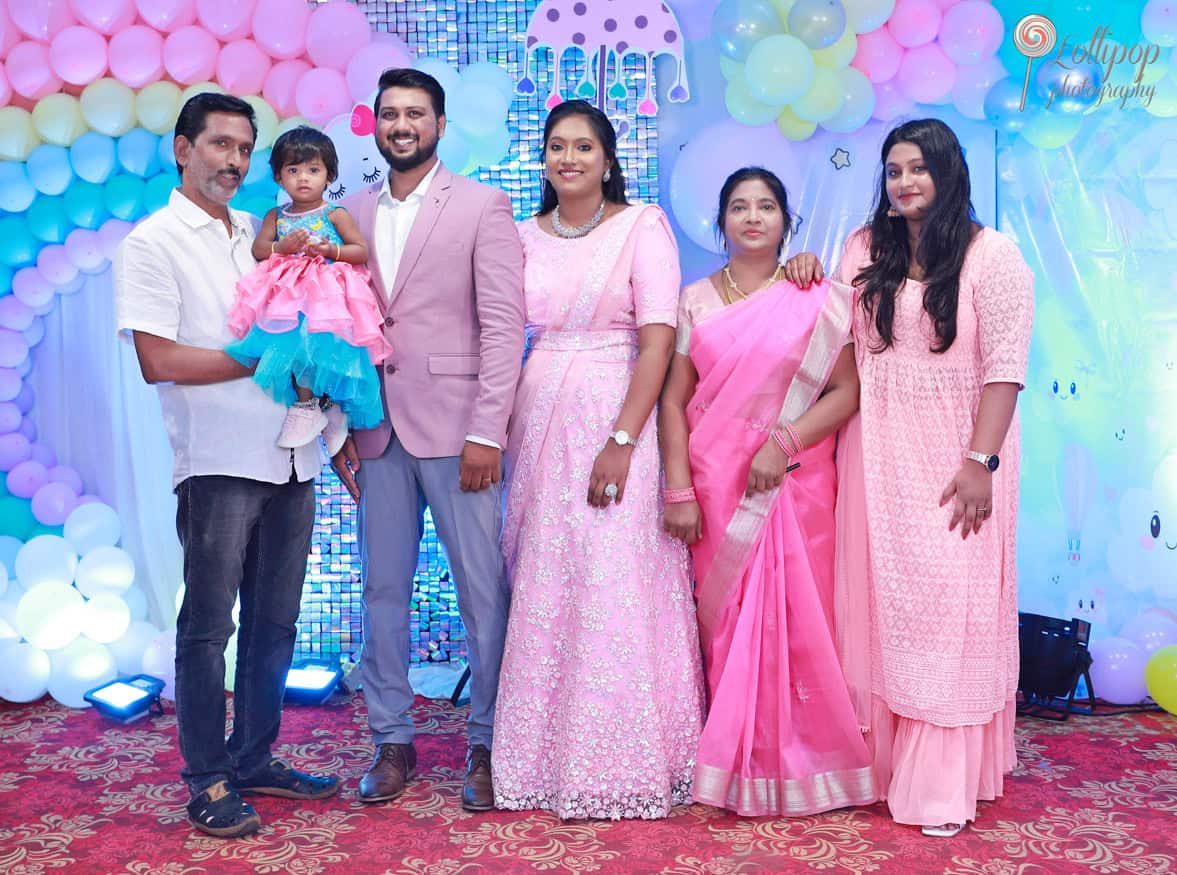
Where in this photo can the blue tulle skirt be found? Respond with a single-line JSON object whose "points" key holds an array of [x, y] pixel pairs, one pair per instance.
{"points": [[324, 363]]}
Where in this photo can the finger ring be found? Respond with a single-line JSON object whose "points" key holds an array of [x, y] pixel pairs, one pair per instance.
{"points": [[610, 490]]}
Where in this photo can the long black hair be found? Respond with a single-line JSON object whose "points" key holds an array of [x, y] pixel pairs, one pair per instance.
{"points": [[775, 186], [945, 234], [614, 189]]}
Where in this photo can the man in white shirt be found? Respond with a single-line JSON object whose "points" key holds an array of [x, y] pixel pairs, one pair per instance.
{"points": [[246, 507], [447, 270]]}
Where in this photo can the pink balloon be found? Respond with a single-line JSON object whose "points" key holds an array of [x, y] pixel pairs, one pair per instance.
{"points": [[227, 20], [53, 503], [973, 83], [105, 16], [281, 85], [54, 264], [136, 56], [878, 55], [110, 235], [9, 417], [29, 71], [971, 31], [84, 250], [32, 288], [41, 19], [926, 74], [242, 67], [363, 71], [336, 31], [914, 22], [1150, 632], [5, 88], [14, 449], [26, 478], [190, 55], [14, 349], [9, 384], [322, 94], [9, 33], [78, 55], [67, 475], [15, 314], [167, 15], [280, 27]]}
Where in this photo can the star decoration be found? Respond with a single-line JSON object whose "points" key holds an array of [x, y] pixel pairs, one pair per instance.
{"points": [[840, 158]]}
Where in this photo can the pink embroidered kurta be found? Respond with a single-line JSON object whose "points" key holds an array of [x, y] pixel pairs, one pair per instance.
{"points": [[600, 696]]}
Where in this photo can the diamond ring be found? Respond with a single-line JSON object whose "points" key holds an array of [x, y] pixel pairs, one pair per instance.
{"points": [[611, 490]]}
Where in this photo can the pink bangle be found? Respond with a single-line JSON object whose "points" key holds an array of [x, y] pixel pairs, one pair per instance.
{"points": [[678, 496], [797, 444]]}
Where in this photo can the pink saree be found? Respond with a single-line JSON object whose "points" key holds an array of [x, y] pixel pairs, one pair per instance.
{"points": [[781, 737]]}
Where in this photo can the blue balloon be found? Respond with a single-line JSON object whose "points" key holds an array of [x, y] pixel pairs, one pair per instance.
{"points": [[167, 159], [49, 169], [138, 152], [817, 23], [93, 156], [84, 204], [5, 283], [16, 192], [124, 197], [20, 246], [1069, 89], [259, 168], [48, 220], [157, 191], [737, 25], [1002, 106]]}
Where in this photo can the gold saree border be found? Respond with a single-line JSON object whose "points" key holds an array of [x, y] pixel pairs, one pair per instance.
{"points": [[757, 797]]}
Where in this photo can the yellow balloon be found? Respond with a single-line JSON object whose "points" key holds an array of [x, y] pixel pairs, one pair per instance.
{"points": [[157, 107], [840, 53], [745, 108], [823, 99], [18, 136], [109, 107], [794, 128], [58, 119], [267, 121], [199, 88], [1160, 676], [782, 9]]}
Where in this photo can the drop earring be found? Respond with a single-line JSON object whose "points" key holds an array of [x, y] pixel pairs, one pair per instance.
{"points": [[608, 175], [892, 212]]}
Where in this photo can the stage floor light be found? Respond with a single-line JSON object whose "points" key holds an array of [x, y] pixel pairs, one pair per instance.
{"points": [[129, 699], [311, 684]]}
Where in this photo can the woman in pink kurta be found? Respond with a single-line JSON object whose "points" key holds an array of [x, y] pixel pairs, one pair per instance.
{"points": [[929, 487], [781, 737], [600, 695]]}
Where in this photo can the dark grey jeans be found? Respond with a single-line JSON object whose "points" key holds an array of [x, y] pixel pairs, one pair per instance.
{"points": [[248, 537]]}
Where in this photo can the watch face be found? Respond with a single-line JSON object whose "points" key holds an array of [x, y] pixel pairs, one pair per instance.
{"points": [[621, 436], [993, 463]]}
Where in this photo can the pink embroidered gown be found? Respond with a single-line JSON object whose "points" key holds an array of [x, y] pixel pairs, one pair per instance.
{"points": [[937, 682], [600, 696]]}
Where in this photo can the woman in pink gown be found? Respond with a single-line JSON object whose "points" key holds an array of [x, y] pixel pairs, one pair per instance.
{"points": [[600, 694], [929, 487], [762, 380]]}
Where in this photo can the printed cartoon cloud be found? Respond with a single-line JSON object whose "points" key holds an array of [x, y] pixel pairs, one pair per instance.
{"points": [[1143, 555]]}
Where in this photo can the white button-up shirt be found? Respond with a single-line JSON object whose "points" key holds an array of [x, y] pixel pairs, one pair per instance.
{"points": [[175, 277]]}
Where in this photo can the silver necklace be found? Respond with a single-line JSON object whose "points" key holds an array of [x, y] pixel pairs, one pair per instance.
{"points": [[576, 230]]}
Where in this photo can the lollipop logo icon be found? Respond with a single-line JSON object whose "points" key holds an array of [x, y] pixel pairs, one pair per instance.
{"points": [[1034, 36]]}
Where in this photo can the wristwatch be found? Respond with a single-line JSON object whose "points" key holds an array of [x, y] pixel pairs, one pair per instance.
{"points": [[622, 438], [990, 461]]}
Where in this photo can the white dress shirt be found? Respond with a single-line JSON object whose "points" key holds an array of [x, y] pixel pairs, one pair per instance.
{"points": [[175, 276], [394, 219]]}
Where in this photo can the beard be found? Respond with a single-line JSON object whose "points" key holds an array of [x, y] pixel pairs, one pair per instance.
{"points": [[405, 163], [220, 187]]}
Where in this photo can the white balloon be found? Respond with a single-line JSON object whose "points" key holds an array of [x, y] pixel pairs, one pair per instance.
{"points": [[46, 559], [26, 671], [105, 617], [106, 569], [77, 669], [49, 615], [9, 547], [92, 525], [159, 661], [136, 603], [128, 650], [8, 622]]}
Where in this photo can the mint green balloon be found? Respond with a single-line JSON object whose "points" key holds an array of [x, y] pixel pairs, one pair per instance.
{"points": [[1049, 130], [84, 205], [124, 196], [779, 70], [823, 99], [16, 517], [745, 108], [20, 247], [47, 219]]}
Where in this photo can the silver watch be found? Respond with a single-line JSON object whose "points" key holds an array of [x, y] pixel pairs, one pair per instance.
{"points": [[622, 438], [989, 460]]}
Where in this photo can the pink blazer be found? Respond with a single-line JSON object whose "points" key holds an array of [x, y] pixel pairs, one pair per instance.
{"points": [[453, 315]]}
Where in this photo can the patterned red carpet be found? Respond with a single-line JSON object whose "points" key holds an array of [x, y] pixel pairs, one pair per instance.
{"points": [[81, 795]]}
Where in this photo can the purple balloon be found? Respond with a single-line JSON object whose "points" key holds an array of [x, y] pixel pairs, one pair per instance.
{"points": [[15, 313], [87, 499], [42, 454], [84, 249], [35, 333], [14, 449], [9, 384], [26, 478], [9, 417], [22, 370], [1117, 671], [55, 266], [68, 289], [13, 349], [111, 234], [52, 503], [25, 398], [67, 475], [1150, 632], [28, 428], [31, 287]]}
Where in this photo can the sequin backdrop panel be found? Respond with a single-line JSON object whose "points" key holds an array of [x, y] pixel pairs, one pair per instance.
{"points": [[330, 626]]}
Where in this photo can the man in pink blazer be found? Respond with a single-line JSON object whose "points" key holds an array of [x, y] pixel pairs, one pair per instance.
{"points": [[447, 270]]}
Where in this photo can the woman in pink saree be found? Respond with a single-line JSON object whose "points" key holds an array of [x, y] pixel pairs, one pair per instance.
{"points": [[600, 695], [762, 380]]}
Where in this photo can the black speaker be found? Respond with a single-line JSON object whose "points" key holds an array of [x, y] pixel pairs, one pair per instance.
{"points": [[1054, 657]]}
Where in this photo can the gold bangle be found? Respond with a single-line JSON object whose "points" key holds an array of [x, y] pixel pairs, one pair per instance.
{"points": [[337, 252], [272, 245]]}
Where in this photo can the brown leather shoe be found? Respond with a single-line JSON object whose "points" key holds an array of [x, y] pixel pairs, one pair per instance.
{"points": [[391, 769], [478, 793]]}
